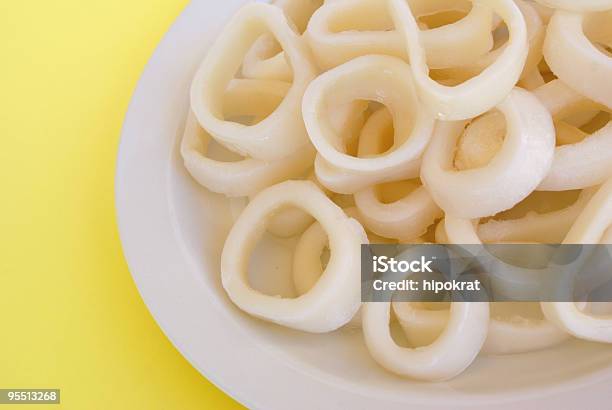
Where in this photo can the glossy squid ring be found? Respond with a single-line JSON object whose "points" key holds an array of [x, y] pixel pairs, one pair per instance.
{"points": [[375, 78], [335, 36], [476, 95], [447, 356], [247, 176], [534, 334], [594, 225], [580, 164], [377, 129], [515, 171], [334, 299], [575, 59], [282, 132], [535, 39], [422, 326]]}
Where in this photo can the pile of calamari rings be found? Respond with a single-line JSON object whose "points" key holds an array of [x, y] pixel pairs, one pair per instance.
{"points": [[348, 122]]}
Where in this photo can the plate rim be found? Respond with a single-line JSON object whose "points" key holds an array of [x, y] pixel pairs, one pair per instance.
{"points": [[130, 183]]}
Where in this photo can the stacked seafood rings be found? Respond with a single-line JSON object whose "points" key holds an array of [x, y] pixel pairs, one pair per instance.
{"points": [[408, 121]]}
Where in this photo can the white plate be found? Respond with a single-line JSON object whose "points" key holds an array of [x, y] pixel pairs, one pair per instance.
{"points": [[172, 232]]}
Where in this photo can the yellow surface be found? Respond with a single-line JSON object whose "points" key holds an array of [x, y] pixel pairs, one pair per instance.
{"points": [[71, 315]]}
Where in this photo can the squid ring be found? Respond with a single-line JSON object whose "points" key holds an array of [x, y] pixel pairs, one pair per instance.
{"points": [[476, 95], [449, 355], [582, 164], [336, 296], [377, 78], [452, 44], [535, 38], [592, 226], [504, 337], [463, 231], [574, 59], [516, 170], [510, 281], [238, 178], [370, 138], [282, 132]]}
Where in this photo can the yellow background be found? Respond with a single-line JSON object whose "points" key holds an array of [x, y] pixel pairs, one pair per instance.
{"points": [[71, 317]]}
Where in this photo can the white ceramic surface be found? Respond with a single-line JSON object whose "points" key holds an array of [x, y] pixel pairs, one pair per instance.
{"points": [[172, 233]]}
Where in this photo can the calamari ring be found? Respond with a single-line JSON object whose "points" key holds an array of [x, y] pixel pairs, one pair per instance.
{"points": [[582, 164], [580, 6], [476, 95], [452, 44], [422, 327], [334, 299], [521, 336], [574, 59], [592, 227], [535, 37], [373, 132], [263, 60], [507, 280], [282, 132], [376, 78], [247, 176], [515, 171], [463, 231], [449, 355], [510, 281]]}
